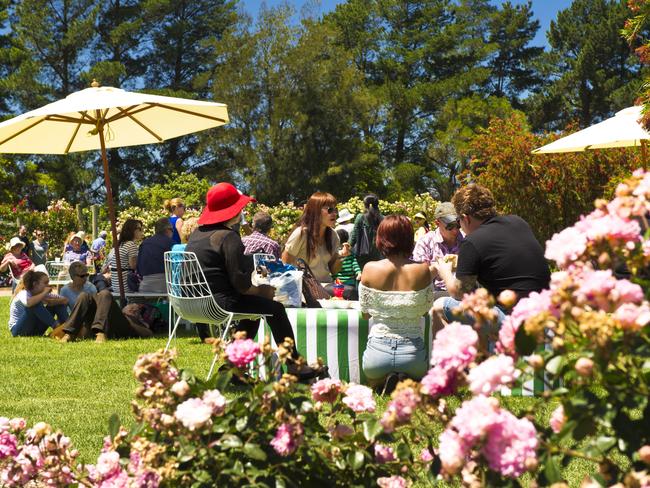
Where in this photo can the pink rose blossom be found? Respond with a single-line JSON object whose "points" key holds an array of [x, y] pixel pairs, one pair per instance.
{"points": [[108, 464], [454, 347], [566, 246], [511, 442], [240, 352], [359, 398], [215, 400], [180, 388], [632, 317], [557, 419], [453, 451], [393, 482], [628, 292], [528, 307], [17, 424], [438, 382], [492, 374], [287, 439], [193, 413], [475, 417], [384, 454], [326, 390], [584, 366], [601, 226], [507, 332], [400, 408], [8, 443], [426, 456]]}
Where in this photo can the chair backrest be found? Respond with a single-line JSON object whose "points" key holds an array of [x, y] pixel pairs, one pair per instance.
{"points": [[188, 290], [58, 271]]}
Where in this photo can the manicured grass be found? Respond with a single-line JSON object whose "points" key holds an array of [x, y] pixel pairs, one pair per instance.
{"points": [[76, 387]]}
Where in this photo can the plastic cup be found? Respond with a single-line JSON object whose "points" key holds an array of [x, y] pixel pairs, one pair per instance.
{"points": [[338, 290]]}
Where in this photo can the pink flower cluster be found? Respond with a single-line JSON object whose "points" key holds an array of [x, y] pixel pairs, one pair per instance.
{"points": [[326, 390], [492, 374], [240, 352], [507, 443], [601, 290], [393, 482], [401, 407], [287, 438], [632, 317], [526, 308], [384, 454], [197, 412], [359, 398], [454, 348]]}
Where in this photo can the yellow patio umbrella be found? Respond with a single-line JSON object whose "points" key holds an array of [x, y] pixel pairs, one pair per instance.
{"points": [[107, 117], [622, 130]]}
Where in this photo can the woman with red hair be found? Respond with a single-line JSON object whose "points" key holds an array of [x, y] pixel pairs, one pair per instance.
{"points": [[314, 239], [396, 292]]}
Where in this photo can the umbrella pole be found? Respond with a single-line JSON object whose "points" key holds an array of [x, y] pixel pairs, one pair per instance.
{"points": [[111, 209], [644, 154]]}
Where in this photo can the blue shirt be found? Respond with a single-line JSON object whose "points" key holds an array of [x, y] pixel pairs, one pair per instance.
{"points": [[98, 244], [176, 238], [72, 295], [151, 256]]}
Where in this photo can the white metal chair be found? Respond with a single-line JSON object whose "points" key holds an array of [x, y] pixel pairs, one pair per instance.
{"points": [[191, 299]]}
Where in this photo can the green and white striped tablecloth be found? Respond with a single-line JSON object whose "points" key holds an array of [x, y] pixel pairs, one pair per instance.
{"points": [[339, 337]]}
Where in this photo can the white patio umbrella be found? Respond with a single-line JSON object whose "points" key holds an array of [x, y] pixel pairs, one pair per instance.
{"points": [[622, 130], [106, 117]]}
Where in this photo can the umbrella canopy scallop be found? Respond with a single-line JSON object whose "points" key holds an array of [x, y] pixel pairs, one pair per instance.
{"points": [[128, 119]]}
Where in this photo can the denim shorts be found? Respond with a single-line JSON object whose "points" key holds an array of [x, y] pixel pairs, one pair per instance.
{"points": [[385, 355]]}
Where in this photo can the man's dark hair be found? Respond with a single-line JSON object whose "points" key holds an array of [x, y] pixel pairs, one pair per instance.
{"points": [[162, 225], [262, 222]]}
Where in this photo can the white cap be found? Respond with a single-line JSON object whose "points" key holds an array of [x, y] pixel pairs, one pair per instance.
{"points": [[15, 241], [81, 235]]}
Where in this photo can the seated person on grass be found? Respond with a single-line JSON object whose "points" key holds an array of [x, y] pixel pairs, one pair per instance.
{"points": [[79, 275], [151, 257], [34, 306], [101, 316], [350, 272]]}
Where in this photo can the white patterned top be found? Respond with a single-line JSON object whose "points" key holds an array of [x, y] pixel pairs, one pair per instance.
{"points": [[396, 314]]}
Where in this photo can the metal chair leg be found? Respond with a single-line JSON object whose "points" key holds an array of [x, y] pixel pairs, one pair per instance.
{"points": [[173, 333], [216, 356]]}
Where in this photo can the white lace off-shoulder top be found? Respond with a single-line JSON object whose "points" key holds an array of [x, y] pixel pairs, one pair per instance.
{"points": [[396, 314]]}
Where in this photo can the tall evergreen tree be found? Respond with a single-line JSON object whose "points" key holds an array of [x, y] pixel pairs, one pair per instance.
{"points": [[592, 71]]}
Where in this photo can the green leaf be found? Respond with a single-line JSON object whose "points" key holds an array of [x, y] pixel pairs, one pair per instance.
{"points": [[552, 470], [222, 380], [524, 343], [584, 428], [356, 459], [553, 366], [230, 441], [136, 429], [403, 451], [280, 483], [113, 425], [254, 451], [241, 423], [605, 443], [371, 428]]}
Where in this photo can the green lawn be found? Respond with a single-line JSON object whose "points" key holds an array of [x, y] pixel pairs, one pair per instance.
{"points": [[76, 387]]}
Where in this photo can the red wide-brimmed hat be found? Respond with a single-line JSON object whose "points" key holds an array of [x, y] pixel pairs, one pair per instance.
{"points": [[223, 202]]}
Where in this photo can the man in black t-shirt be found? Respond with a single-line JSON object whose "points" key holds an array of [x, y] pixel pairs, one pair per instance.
{"points": [[500, 253]]}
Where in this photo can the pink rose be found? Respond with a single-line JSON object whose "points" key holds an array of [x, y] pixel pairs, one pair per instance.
{"points": [[492, 374], [180, 388], [453, 451], [287, 439], [393, 482], [384, 454], [511, 445], [438, 382], [557, 419], [454, 347], [326, 390], [215, 400], [584, 366], [359, 398], [240, 352], [426, 456], [644, 454], [193, 413]]}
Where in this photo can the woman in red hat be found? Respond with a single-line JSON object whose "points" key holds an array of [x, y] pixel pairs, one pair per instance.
{"points": [[220, 251]]}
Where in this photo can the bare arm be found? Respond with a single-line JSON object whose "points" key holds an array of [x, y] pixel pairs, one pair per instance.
{"points": [[55, 300], [38, 298], [457, 287], [335, 263], [288, 258]]}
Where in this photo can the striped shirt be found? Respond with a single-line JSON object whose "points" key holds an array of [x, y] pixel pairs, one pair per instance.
{"points": [[260, 243], [349, 270], [128, 249]]}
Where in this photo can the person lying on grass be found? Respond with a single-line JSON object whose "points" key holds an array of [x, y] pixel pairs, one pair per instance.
{"points": [[34, 306], [100, 315]]}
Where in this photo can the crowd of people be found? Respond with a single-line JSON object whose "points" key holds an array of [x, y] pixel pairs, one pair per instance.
{"points": [[399, 268]]}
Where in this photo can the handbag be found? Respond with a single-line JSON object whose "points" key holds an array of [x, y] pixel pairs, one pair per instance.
{"points": [[312, 290], [362, 244], [133, 280]]}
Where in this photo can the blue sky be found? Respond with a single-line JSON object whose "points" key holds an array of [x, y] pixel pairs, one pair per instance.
{"points": [[545, 10]]}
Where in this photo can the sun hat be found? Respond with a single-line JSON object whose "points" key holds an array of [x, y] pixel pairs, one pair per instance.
{"points": [[81, 235], [15, 241], [222, 203], [344, 216], [420, 215], [445, 212]]}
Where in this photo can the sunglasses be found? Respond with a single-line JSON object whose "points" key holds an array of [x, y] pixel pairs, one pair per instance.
{"points": [[453, 225], [331, 210]]}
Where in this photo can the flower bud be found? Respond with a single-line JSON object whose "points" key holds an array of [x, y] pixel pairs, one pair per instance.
{"points": [[531, 464], [644, 454], [584, 366], [507, 298], [180, 388], [535, 361]]}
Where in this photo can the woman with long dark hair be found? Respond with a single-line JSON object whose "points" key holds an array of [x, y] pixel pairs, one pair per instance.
{"points": [[130, 235], [364, 233], [314, 240]]}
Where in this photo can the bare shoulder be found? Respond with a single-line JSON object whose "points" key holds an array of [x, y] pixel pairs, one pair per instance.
{"points": [[373, 273], [420, 274]]}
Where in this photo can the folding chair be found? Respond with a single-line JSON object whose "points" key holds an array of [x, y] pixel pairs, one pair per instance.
{"points": [[191, 299]]}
